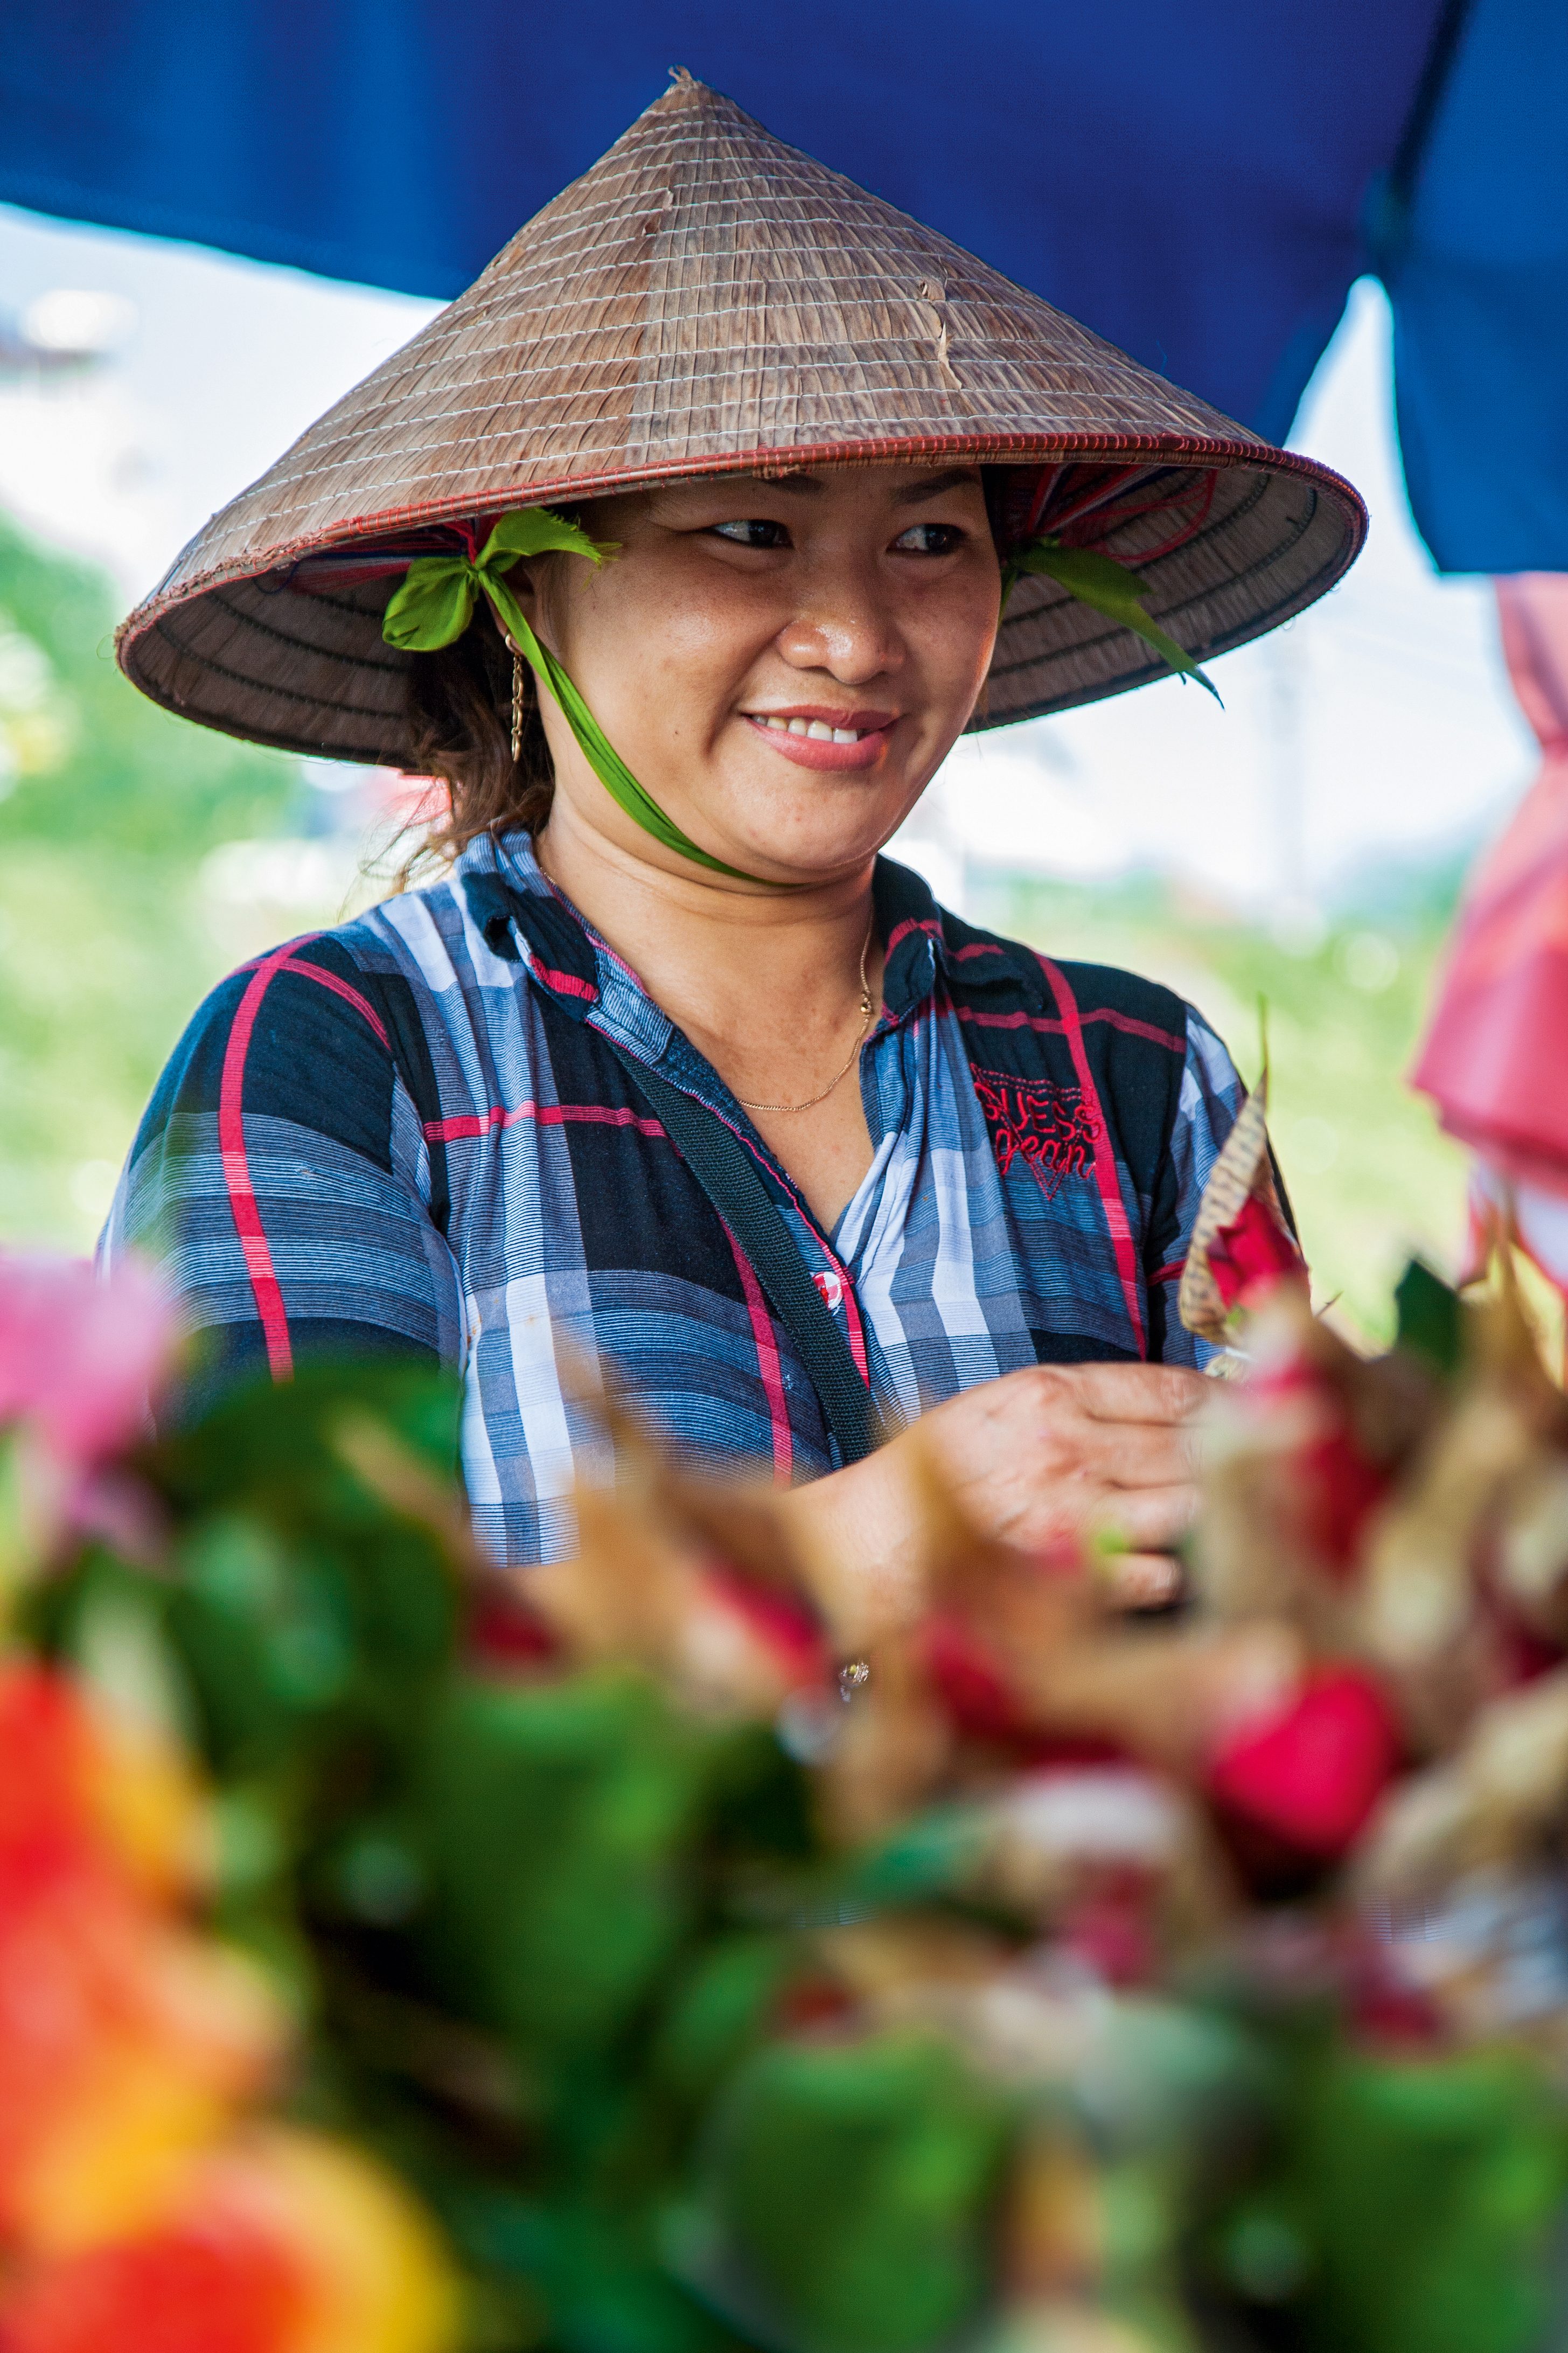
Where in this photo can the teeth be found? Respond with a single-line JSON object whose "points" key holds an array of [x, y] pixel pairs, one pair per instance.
{"points": [[815, 727]]}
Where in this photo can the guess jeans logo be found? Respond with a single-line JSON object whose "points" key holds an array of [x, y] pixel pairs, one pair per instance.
{"points": [[1036, 1120]]}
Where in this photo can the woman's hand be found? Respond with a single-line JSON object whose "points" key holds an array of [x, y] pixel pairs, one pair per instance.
{"points": [[1056, 1452], [1043, 1457]]}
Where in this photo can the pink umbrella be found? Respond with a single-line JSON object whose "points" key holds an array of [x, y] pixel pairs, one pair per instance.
{"points": [[1496, 1057]]}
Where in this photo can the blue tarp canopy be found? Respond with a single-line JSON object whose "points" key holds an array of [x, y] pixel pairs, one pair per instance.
{"points": [[1201, 183]]}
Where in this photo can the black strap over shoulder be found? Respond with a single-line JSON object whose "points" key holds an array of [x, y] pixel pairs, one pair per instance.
{"points": [[726, 1174]]}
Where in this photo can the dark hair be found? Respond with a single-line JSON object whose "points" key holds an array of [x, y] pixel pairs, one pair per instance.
{"points": [[459, 729], [459, 725]]}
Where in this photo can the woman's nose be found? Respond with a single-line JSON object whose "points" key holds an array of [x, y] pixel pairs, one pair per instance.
{"points": [[845, 630]]}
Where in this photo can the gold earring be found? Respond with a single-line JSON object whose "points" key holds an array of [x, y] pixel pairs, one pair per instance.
{"points": [[516, 705]]}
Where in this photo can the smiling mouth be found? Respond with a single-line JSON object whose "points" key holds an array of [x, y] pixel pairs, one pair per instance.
{"points": [[826, 739], [820, 723], [819, 731]]}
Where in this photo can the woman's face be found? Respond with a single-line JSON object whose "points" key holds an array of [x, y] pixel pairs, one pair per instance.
{"points": [[784, 665]]}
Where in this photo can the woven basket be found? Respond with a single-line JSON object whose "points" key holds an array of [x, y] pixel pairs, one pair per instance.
{"points": [[704, 301]]}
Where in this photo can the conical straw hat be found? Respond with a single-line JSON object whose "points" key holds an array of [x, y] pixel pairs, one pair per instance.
{"points": [[705, 300]]}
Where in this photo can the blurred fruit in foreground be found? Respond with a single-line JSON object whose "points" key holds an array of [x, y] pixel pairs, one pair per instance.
{"points": [[281, 2242], [684, 1948]]}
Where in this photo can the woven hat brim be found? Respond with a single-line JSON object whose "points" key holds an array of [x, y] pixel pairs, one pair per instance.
{"points": [[707, 299], [309, 671]]}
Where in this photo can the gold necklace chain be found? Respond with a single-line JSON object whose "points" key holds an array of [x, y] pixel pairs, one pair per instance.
{"points": [[867, 1015]]}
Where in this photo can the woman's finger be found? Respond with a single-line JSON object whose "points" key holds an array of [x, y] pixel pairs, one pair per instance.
{"points": [[1137, 1453], [1140, 1580], [1139, 1393], [1146, 1519]]}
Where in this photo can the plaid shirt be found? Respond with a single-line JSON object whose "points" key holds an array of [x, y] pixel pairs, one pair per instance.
{"points": [[409, 1132]]}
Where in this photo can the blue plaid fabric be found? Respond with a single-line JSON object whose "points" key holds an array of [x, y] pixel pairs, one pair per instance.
{"points": [[410, 1134]]}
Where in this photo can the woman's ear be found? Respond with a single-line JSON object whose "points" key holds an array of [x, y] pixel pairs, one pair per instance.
{"points": [[532, 580], [523, 582]]}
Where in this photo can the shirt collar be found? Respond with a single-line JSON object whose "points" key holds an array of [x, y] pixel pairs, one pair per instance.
{"points": [[924, 945], [524, 918]]}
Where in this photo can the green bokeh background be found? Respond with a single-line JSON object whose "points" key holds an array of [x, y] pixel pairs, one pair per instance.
{"points": [[107, 807]]}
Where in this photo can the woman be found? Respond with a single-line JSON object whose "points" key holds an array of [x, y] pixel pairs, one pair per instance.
{"points": [[684, 546]]}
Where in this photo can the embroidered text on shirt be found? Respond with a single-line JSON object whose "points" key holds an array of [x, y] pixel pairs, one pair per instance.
{"points": [[1047, 1124]]}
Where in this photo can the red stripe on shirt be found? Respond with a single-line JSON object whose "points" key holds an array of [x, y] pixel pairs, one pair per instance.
{"points": [[338, 987], [856, 1330], [476, 1123], [1130, 1027], [243, 1204], [566, 982], [1104, 1155], [471, 1124], [1050, 1028], [928, 924], [770, 1370]]}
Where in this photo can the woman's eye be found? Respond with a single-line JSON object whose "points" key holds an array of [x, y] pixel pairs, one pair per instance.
{"points": [[929, 539], [753, 532]]}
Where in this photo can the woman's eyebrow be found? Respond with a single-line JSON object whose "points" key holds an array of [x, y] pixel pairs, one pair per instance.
{"points": [[933, 486]]}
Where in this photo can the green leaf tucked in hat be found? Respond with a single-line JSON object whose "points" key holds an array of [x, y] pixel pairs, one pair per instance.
{"points": [[1108, 587], [436, 602]]}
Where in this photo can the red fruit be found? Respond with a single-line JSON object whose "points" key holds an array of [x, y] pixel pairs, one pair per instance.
{"points": [[1114, 1935], [46, 1830], [503, 1634], [1253, 1253], [1300, 1402], [281, 2242], [82, 1793], [124, 2044], [969, 1683], [1312, 1772], [1338, 1491], [209, 2286], [981, 1705], [779, 1624]]}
